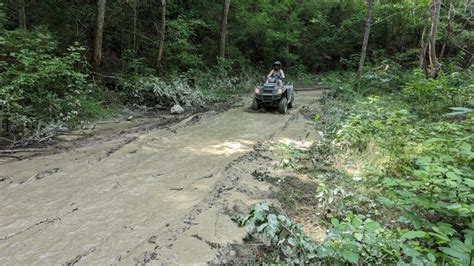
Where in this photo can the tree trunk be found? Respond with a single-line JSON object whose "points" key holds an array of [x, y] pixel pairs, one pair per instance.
{"points": [[434, 64], [363, 53], [99, 34], [423, 50], [223, 28], [448, 30], [135, 22], [21, 14], [162, 35]]}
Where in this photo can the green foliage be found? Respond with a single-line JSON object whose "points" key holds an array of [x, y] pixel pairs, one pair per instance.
{"points": [[408, 194], [288, 241], [39, 87], [319, 34], [355, 240], [434, 97], [181, 53], [417, 162], [291, 154], [153, 91], [364, 241], [193, 89]]}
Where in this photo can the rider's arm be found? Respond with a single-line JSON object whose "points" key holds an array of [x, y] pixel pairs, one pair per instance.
{"points": [[269, 75], [282, 74]]}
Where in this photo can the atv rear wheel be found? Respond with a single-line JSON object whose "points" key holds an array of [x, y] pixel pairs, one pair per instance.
{"points": [[255, 104], [283, 105]]}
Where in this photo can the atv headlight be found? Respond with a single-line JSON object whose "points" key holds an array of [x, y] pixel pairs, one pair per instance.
{"points": [[258, 91], [279, 91]]}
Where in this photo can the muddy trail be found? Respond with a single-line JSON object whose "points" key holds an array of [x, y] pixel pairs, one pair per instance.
{"points": [[161, 196]]}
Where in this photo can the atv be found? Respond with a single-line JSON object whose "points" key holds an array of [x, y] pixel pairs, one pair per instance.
{"points": [[274, 94]]}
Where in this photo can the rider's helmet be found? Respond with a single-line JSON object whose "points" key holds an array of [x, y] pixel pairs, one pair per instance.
{"points": [[277, 65]]}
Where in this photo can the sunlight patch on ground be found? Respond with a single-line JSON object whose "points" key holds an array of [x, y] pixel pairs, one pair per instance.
{"points": [[300, 144], [226, 148]]}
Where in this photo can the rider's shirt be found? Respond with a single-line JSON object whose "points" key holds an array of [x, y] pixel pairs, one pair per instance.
{"points": [[277, 74]]}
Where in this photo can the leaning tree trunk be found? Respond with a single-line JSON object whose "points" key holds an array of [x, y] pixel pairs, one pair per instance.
{"points": [[223, 28], [21, 14], [99, 34], [448, 30], [435, 67], [162, 35], [363, 53]]}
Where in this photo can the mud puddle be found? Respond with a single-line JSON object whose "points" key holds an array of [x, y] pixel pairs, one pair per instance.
{"points": [[164, 195]]}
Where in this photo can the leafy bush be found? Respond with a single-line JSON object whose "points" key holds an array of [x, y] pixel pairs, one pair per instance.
{"points": [[192, 89], [181, 53], [153, 91], [433, 97], [355, 240], [409, 195], [289, 243], [39, 87], [426, 174]]}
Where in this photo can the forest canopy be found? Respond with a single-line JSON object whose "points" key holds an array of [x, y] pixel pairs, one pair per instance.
{"points": [[63, 53]]}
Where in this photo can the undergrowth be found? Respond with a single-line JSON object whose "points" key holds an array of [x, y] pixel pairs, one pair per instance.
{"points": [[393, 174]]}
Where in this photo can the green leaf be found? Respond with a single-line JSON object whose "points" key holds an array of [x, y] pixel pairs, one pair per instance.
{"points": [[452, 175], [372, 226], [350, 256], [292, 241], [358, 236], [431, 257], [469, 182], [455, 206], [455, 254], [413, 234]]}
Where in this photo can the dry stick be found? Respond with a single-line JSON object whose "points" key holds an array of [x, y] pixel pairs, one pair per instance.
{"points": [[9, 140]]}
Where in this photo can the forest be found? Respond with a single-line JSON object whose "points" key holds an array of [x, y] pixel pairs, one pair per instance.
{"points": [[391, 174]]}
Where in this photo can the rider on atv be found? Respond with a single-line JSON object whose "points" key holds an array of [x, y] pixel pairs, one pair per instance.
{"points": [[276, 75]]}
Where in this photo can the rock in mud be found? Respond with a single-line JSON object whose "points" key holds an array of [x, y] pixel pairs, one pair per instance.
{"points": [[177, 109]]}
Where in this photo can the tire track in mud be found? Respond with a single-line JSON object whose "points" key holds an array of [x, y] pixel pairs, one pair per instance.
{"points": [[80, 256], [229, 178], [227, 182], [42, 222], [117, 148], [204, 163]]}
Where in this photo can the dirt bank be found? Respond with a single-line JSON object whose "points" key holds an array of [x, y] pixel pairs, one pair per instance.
{"points": [[161, 196]]}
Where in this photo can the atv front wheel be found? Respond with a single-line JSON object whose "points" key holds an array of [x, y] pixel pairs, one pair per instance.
{"points": [[283, 105], [290, 105], [255, 104]]}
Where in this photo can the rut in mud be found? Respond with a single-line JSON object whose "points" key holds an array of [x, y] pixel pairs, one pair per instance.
{"points": [[164, 196]]}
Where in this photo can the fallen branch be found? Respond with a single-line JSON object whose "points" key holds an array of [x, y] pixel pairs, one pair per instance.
{"points": [[10, 156], [21, 150]]}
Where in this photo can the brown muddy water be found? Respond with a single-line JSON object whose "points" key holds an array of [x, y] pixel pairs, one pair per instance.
{"points": [[165, 196]]}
